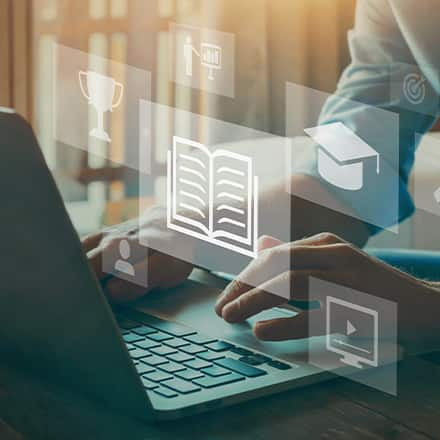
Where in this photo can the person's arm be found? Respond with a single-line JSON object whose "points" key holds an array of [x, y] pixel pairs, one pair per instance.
{"points": [[379, 54], [309, 218], [377, 47]]}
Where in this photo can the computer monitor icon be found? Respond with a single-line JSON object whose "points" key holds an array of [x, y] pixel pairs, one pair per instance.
{"points": [[344, 320], [211, 57]]}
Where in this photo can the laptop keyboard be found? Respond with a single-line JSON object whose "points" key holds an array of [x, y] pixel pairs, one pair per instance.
{"points": [[174, 360]]}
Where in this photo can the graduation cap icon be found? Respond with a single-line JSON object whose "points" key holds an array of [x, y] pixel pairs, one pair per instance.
{"points": [[341, 155]]}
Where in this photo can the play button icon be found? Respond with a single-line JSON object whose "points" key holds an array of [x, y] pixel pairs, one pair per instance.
{"points": [[350, 328]]}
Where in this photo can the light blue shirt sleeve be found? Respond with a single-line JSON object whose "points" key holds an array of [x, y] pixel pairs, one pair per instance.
{"points": [[379, 52]]}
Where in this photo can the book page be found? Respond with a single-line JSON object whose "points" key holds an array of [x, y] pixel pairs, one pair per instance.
{"points": [[191, 166], [232, 195]]}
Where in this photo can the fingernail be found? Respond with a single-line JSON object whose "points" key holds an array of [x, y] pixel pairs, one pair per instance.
{"points": [[231, 312], [218, 309]]}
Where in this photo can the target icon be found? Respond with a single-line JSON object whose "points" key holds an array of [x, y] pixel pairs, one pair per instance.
{"points": [[414, 88]]}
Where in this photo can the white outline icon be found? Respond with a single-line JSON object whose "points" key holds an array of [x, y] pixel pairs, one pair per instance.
{"points": [[414, 88], [195, 179], [340, 155], [122, 265], [350, 358], [437, 195], [102, 91], [210, 57]]}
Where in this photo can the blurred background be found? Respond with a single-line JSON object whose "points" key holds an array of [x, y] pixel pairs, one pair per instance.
{"points": [[301, 41]]}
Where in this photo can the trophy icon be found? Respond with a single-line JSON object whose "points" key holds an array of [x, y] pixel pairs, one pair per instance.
{"points": [[101, 95]]}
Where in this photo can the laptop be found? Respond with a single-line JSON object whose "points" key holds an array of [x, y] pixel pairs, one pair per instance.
{"points": [[168, 357]]}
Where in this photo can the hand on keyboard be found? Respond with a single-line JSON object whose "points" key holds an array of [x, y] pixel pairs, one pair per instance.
{"points": [[282, 271], [164, 271]]}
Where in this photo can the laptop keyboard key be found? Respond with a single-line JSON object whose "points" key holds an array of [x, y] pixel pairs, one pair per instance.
{"points": [[254, 359], [144, 368], [210, 355], [138, 353], [241, 351], [165, 392], [198, 364], [143, 330], [172, 367], [193, 349], [159, 336], [158, 376], [147, 344], [128, 324], [211, 382], [132, 337], [189, 374], [148, 384], [215, 371], [174, 329], [279, 365], [167, 326], [240, 367], [181, 386], [220, 346], [176, 342], [200, 339], [154, 360], [180, 357], [163, 350]]}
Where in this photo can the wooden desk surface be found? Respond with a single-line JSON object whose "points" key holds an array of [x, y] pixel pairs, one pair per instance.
{"points": [[338, 409]]}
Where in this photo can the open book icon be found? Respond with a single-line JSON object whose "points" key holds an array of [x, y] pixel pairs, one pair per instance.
{"points": [[213, 196]]}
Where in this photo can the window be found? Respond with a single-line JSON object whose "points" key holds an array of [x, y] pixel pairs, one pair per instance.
{"points": [[127, 31], [277, 40]]}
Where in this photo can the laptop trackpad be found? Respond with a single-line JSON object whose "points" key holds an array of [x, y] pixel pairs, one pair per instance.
{"points": [[193, 304]]}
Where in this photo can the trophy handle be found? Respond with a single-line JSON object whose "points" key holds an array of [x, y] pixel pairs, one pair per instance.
{"points": [[121, 94], [81, 74]]}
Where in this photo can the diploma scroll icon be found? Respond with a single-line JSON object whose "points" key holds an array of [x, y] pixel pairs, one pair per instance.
{"points": [[101, 94]]}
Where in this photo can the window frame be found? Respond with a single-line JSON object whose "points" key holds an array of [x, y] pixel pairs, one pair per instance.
{"points": [[16, 83]]}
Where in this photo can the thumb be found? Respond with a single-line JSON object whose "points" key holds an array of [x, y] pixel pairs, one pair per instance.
{"points": [[91, 241], [267, 241]]}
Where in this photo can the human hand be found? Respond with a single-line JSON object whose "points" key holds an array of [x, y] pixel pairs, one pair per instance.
{"points": [[164, 271], [287, 267]]}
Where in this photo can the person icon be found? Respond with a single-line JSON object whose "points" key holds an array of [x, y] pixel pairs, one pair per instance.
{"points": [[188, 51], [122, 265]]}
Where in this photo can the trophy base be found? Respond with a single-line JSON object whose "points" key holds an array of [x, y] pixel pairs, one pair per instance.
{"points": [[100, 134]]}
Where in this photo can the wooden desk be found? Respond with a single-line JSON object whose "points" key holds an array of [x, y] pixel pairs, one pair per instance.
{"points": [[338, 409]]}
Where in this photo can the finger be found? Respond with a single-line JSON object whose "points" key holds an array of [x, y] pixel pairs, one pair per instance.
{"points": [[232, 291], [109, 250], [119, 290], [166, 271], [91, 241], [249, 304], [296, 327], [297, 255], [163, 272], [270, 263], [270, 294], [319, 239], [267, 241], [325, 257], [284, 287]]}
